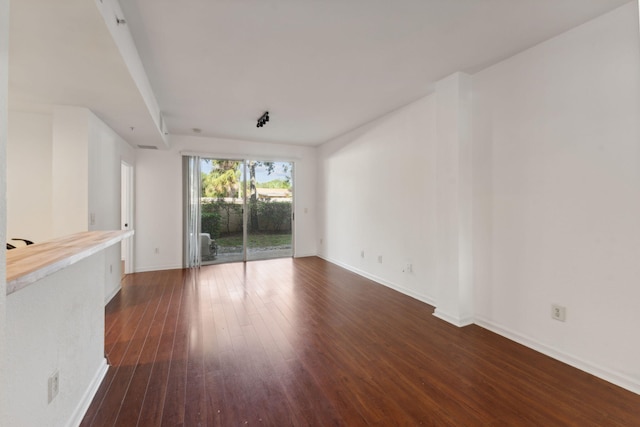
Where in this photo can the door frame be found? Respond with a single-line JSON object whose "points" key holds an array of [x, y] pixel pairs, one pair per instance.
{"points": [[126, 215], [245, 199]]}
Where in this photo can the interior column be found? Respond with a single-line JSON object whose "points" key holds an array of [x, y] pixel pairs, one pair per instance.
{"points": [[454, 294]]}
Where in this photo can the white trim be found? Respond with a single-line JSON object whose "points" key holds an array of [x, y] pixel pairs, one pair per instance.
{"points": [[214, 155], [127, 200], [160, 268], [304, 254], [606, 374], [459, 322], [81, 409], [113, 293], [294, 201], [423, 298]]}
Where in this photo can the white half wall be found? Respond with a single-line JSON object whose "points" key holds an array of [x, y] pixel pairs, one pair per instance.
{"points": [[159, 195], [557, 196], [376, 192], [56, 325]]}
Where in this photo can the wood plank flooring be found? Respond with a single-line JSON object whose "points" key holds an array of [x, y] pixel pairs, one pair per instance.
{"points": [[302, 342]]}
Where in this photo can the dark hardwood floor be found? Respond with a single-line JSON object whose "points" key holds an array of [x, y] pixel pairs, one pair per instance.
{"points": [[304, 342]]}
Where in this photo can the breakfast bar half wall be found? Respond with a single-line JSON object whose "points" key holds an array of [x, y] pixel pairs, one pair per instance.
{"points": [[55, 326]]}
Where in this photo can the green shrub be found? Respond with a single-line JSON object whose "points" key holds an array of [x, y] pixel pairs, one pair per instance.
{"points": [[227, 211], [274, 216], [210, 223]]}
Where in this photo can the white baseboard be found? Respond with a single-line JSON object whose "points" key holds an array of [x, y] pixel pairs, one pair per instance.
{"points": [[423, 298], [606, 374], [304, 254], [92, 389], [113, 293], [456, 321], [158, 268]]}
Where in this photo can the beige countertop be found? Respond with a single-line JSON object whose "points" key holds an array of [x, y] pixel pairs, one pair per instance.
{"points": [[28, 264]]}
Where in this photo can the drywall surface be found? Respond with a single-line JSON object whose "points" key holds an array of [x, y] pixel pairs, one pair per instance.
{"points": [[557, 196], [376, 192], [158, 204], [159, 195], [55, 324], [29, 193], [106, 151], [70, 170], [80, 165], [64, 177], [454, 296], [4, 89]]}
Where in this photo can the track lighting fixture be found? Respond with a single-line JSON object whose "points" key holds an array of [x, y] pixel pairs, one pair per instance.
{"points": [[263, 119]]}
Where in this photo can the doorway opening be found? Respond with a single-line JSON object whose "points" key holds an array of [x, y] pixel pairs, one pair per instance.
{"points": [[126, 216], [246, 210]]}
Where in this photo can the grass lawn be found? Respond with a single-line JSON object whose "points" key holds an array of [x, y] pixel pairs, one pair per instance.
{"points": [[256, 240]]}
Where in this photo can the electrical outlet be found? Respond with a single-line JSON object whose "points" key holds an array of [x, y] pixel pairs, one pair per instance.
{"points": [[156, 251], [53, 386], [558, 312], [362, 254], [379, 259]]}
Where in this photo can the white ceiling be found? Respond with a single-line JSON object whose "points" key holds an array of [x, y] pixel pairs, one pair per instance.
{"points": [[321, 68], [61, 53]]}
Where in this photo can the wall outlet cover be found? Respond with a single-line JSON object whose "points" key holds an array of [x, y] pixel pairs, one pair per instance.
{"points": [[558, 312]]}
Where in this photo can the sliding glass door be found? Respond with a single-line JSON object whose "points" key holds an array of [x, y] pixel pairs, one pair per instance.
{"points": [[245, 210], [269, 203], [221, 210]]}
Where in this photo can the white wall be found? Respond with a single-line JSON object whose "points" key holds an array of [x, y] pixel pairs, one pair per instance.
{"points": [[106, 151], [71, 181], [555, 199], [4, 89], [557, 196], [29, 194], [454, 300], [159, 195], [158, 204], [376, 189], [70, 171], [55, 324]]}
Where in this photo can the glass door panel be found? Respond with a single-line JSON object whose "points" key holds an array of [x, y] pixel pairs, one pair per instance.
{"points": [[221, 207], [269, 209]]}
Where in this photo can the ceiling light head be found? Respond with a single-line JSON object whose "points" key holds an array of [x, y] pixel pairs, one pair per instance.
{"points": [[263, 119]]}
